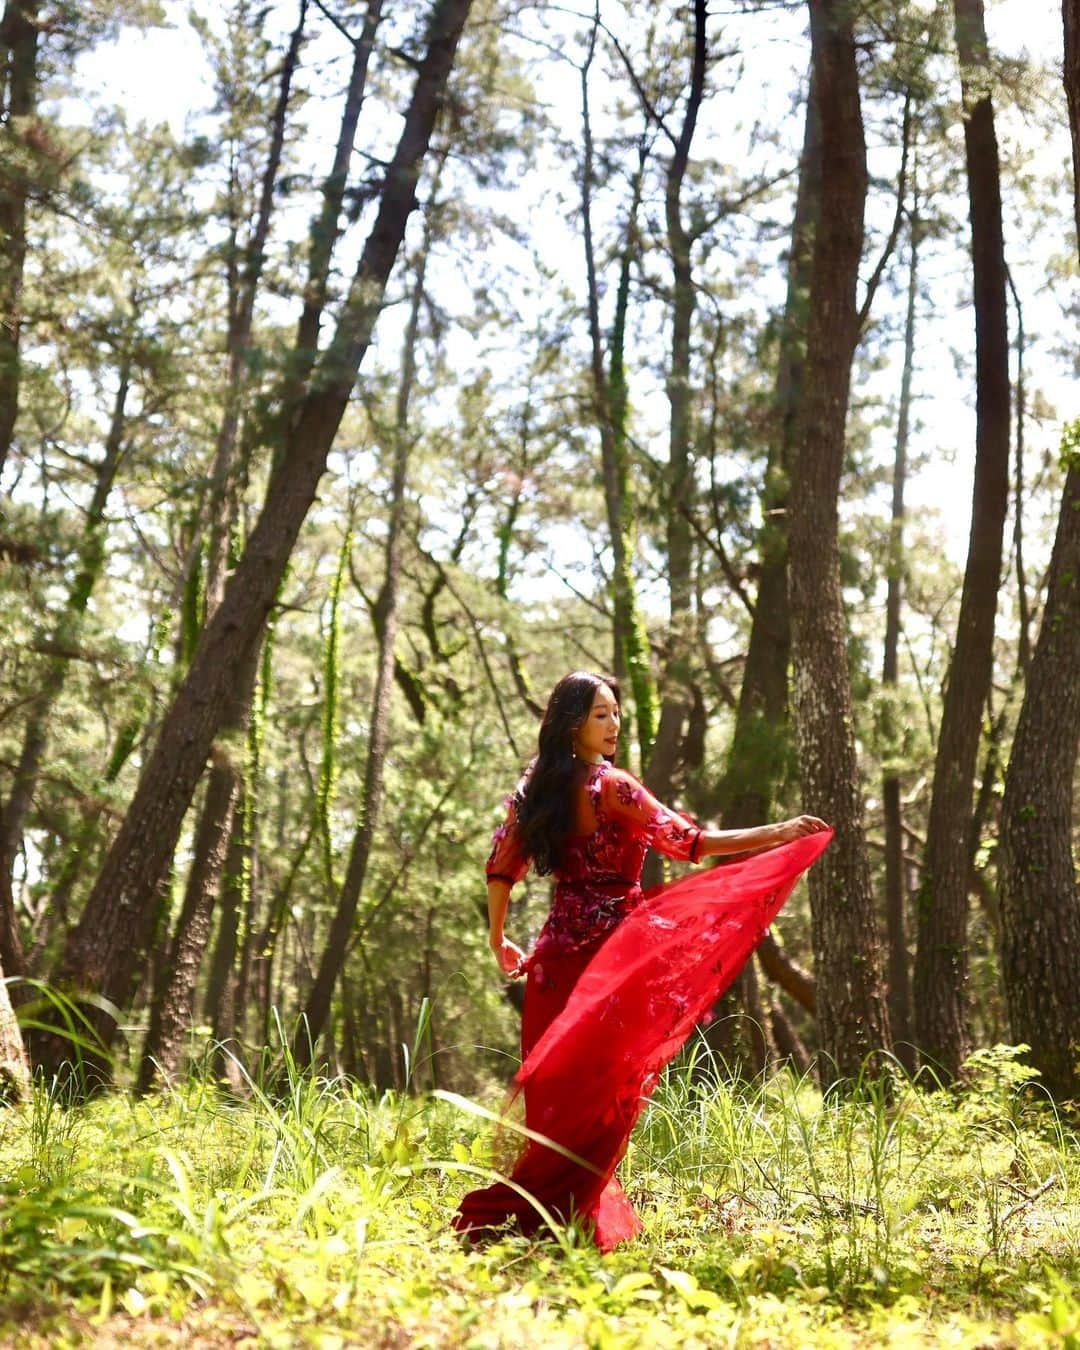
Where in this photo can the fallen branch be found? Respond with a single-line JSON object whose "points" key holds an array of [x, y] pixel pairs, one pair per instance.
{"points": [[1028, 1197]]}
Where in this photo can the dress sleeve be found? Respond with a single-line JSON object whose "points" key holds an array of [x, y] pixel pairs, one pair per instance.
{"points": [[624, 799], [506, 861]]}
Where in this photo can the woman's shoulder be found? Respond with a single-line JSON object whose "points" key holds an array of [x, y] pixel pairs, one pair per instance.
{"points": [[619, 784]]}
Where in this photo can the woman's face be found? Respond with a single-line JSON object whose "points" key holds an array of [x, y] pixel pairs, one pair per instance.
{"points": [[599, 733]]}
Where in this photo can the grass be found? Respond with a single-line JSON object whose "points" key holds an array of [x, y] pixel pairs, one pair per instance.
{"points": [[316, 1215]]}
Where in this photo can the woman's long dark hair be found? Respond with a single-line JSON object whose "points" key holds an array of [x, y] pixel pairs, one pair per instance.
{"points": [[545, 812]]}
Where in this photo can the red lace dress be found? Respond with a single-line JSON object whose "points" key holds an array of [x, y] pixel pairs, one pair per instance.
{"points": [[616, 982]]}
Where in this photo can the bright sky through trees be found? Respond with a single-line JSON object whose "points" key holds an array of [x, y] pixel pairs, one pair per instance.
{"points": [[162, 74]]}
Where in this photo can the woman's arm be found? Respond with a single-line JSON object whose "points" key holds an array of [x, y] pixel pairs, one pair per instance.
{"points": [[507, 953], [676, 836], [716, 843]]}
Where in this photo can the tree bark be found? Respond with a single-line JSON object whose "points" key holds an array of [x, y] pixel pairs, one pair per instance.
{"points": [[680, 242], [19, 33], [174, 992], [847, 960], [103, 951], [332, 962], [221, 1007], [1037, 880], [65, 635], [759, 740], [630, 642], [326, 227], [941, 957], [895, 890], [1040, 899], [1023, 606], [14, 1069], [170, 1012], [1070, 13], [675, 699]]}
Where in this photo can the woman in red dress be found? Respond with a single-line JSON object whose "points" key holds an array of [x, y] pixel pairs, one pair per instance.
{"points": [[618, 977]]}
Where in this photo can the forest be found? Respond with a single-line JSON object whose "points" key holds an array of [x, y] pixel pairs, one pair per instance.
{"points": [[365, 367]]}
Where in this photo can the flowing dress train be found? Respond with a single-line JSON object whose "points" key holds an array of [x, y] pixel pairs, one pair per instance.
{"points": [[617, 980]]}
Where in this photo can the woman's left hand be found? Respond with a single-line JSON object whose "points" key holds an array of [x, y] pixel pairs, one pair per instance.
{"points": [[787, 830], [509, 956]]}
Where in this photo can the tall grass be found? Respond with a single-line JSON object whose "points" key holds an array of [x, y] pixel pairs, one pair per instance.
{"points": [[311, 1196]]}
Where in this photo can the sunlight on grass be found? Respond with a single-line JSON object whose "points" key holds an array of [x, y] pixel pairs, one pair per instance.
{"points": [[314, 1212]]}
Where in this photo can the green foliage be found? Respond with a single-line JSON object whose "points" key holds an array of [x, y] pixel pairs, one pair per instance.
{"points": [[138, 236], [1070, 445], [316, 1211]]}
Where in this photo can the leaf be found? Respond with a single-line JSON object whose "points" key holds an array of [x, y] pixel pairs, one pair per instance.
{"points": [[630, 1284], [686, 1286], [680, 1280], [252, 1290], [133, 1302], [313, 1289]]}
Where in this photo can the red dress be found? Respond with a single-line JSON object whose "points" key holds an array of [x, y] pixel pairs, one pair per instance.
{"points": [[616, 982]]}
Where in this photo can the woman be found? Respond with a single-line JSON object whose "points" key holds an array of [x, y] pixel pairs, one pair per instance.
{"points": [[618, 977]]}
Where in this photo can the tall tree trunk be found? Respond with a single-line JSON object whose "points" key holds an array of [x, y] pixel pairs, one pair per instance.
{"points": [[759, 740], [326, 227], [173, 1000], [632, 656], [895, 891], [170, 1012], [220, 1008], [521, 471], [1070, 14], [65, 636], [847, 960], [174, 992], [675, 699], [1023, 607], [1037, 879], [941, 956], [19, 32], [758, 744], [230, 970], [103, 951], [1040, 899], [317, 1008], [14, 1069]]}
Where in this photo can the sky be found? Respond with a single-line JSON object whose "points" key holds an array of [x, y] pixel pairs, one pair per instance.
{"points": [[161, 74]]}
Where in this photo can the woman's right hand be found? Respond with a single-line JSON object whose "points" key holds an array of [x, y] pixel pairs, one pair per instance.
{"points": [[509, 956], [787, 830]]}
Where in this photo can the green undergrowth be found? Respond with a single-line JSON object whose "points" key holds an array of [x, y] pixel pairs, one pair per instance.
{"points": [[317, 1214]]}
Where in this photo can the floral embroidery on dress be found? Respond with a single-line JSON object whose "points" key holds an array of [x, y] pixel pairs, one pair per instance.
{"points": [[597, 880], [505, 861]]}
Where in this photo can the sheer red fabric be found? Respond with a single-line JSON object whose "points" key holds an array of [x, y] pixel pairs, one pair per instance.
{"points": [[616, 982]]}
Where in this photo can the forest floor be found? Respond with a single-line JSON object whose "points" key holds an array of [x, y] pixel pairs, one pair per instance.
{"points": [[317, 1216]]}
